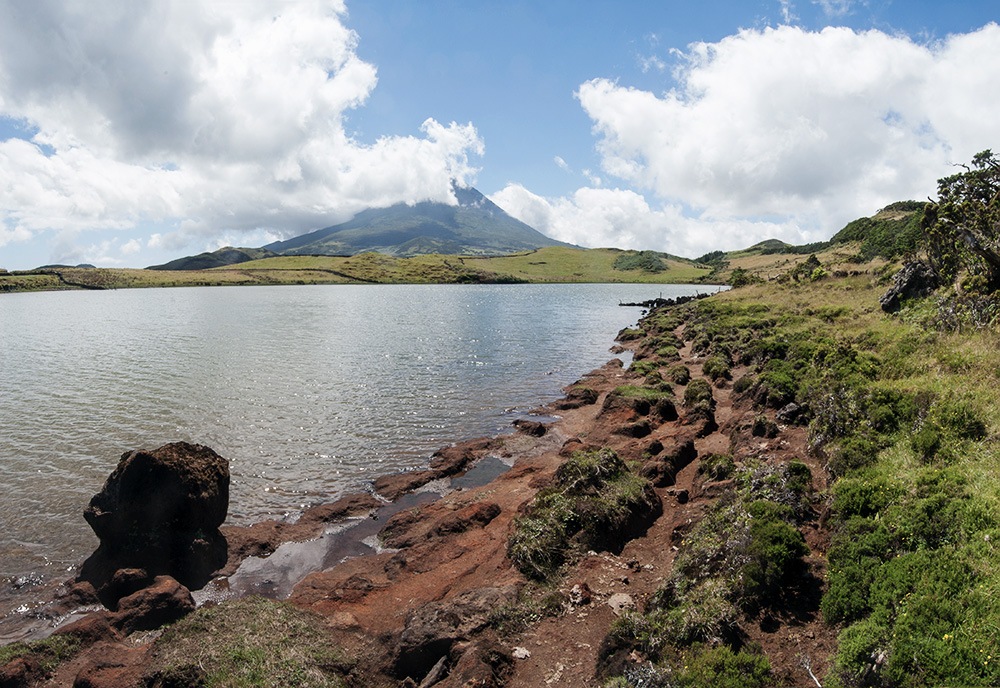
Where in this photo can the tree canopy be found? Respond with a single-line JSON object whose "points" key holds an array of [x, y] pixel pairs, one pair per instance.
{"points": [[962, 228]]}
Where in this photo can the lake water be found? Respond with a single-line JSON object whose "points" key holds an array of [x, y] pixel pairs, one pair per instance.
{"points": [[308, 391]]}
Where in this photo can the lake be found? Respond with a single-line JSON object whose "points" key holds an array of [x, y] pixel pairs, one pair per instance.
{"points": [[309, 391]]}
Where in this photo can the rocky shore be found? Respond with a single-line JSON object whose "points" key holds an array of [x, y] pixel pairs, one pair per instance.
{"points": [[417, 589]]}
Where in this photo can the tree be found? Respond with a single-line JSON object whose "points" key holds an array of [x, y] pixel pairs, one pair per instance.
{"points": [[962, 229]]}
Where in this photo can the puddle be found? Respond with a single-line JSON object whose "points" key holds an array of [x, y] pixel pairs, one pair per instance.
{"points": [[275, 576]]}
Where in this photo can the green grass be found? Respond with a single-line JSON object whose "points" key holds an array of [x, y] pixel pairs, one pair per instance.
{"points": [[907, 417], [250, 642], [553, 264], [48, 652], [595, 504], [562, 264]]}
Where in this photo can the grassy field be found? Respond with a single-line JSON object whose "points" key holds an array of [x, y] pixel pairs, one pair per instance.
{"points": [[555, 264], [559, 264]]}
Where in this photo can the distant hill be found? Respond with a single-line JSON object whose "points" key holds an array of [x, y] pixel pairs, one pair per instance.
{"points": [[215, 259], [475, 226], [889, 233]]}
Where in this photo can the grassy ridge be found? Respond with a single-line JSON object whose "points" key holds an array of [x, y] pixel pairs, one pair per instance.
{"points": [[559, 264], [552, 264]]}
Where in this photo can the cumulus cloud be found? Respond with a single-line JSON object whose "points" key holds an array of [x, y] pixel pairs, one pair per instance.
{"points": [[793, 130], [622, 218], [220, 117]]}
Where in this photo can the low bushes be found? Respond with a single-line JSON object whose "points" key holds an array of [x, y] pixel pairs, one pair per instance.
{"points": [[737, 560], [597, 503]]}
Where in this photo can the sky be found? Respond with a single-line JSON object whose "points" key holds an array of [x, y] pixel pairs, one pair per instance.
{"points": [[135, 133]]}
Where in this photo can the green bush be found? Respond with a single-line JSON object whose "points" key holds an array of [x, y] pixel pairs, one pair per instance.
{"points": [[775, 548], [855, 452], [679, 374], [721, 667], [861, 497], [926, 442], [717, 467], [717, 368], [595, 503], [668, 352], [698, 393], [647, 261], [644, 367]]}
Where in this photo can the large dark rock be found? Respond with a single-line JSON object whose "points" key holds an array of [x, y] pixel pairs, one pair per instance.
{"points": [[914, 280], [160, 512]]}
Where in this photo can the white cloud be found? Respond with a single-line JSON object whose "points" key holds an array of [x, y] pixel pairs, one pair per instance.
{"points": [[835, 8], [225, 116], [131, 247], [561, 164], [787, 11], [623, 219], [805, 129], [650, 63]]}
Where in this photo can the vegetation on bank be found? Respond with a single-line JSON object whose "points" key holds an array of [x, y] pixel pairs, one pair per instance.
{"points": [[902, 414], [596, 503]]}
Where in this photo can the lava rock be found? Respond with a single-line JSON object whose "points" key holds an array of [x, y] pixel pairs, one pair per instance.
{"points": [[159, 511], [914, 280]]}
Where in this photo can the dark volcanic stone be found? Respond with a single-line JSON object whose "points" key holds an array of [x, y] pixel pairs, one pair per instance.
{"points": [[163, 602], [432, 630], [160, 511], [914, 280]]}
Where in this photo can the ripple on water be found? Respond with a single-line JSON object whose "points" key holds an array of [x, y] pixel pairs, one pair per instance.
{"points": [[308, 391]]}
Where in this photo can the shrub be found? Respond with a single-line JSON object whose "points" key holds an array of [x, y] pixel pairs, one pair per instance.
{"points": [[668, 352], [717, 467], [679, 374], [716, 368], [855, 452], [861, 497], [775, 546], [644, 367], [764, 427], [647, 261], [926, 442], [698, 394], [595, 503], [721, 667]]}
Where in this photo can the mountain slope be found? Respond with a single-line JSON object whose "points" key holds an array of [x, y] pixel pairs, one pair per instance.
{"points": [[476, 226], [214, 259]]}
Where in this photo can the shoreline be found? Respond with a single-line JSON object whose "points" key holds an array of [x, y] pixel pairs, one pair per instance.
{"points": [[449, 558]]}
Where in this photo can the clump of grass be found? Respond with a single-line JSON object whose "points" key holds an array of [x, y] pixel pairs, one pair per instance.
{"points": [[717, 368], [248, 642], [698, 395], [532, 606], [717, 467], [679, 374], [630, 334], [48, 653], [597, 502]]}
